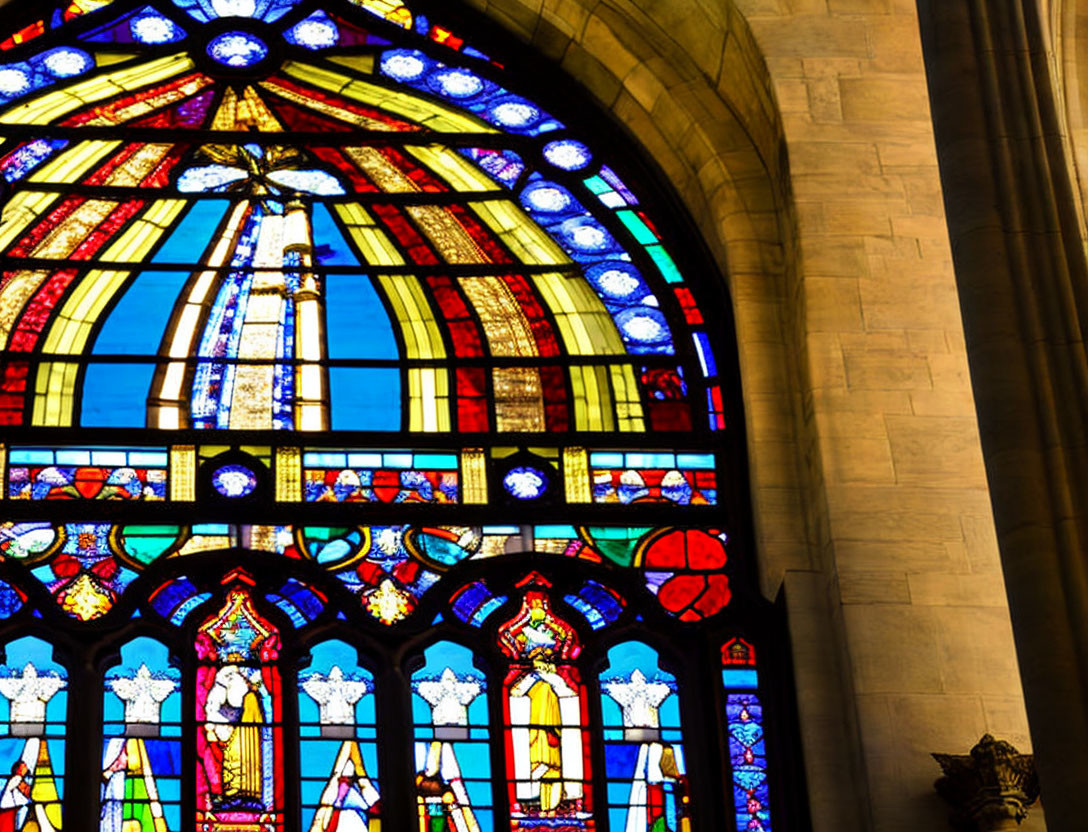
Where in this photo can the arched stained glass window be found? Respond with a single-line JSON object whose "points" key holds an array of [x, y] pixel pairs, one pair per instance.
{"points": [[368, 433]]}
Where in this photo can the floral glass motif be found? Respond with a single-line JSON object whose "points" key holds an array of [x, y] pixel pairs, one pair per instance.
{"points": [[141, 757], [338, 742], [239, 735], [33, 702], [453, 768], [642, 743], [545, 710]]}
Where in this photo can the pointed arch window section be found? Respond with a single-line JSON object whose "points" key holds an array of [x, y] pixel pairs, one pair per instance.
{"points": [[338, 742], [141, 757], [453, 768], [33, 687]]}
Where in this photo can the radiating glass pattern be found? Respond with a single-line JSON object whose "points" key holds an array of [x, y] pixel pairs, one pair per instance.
{"points": [[364, 439]]}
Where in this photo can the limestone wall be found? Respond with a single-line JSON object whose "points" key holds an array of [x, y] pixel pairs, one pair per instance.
{"points": [[798, 134]]}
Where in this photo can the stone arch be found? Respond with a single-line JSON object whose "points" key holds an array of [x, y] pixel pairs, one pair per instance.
{"points": [[689, 81]]}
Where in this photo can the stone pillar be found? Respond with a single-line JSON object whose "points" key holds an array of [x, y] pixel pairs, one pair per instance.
{"points": [[990, 789], [1023, 283]]}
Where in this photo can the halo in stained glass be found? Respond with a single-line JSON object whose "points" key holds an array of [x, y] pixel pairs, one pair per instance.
{"points": [[568, 154], [237, 49], [525, 482], [234, 481]]}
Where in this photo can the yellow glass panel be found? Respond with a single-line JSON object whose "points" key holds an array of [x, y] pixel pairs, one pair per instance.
{"points": [[413, 108], [380, 170], [14, 293], [74, 162], [140, 237], [592, 398], [392, 10], [519, 399], [428, 397], [54, 390], [454, 168], [576, 475], [422, 338], [104, 59], [246, 113], [44, 109], [449, 237], [526, 240], [183, 473], [119, 113], [584, 323], [363, 64], [23, 208], [138, 166], [62, 240], [69, 330], [288, 475], [507, 329], [628, 402], [474, 476], [326, 108], [373, 243]]}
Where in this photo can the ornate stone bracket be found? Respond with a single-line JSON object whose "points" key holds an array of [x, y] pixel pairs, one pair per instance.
{"points": [[989, 789]]}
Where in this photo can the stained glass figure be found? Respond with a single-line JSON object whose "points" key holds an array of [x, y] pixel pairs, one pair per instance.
{"points": [[453, 768], [338, 742], [239, 736], [544, 706], [141, 758], [33, 702], [644, 756]]}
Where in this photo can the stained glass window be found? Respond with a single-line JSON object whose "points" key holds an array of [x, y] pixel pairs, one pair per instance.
{"points": [[368, 440]]}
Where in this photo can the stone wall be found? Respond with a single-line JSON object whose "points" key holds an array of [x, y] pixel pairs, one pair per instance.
{"points": [[798, 134]]}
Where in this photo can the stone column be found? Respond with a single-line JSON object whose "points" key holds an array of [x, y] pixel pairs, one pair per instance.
{"points": [[1023, 284]]}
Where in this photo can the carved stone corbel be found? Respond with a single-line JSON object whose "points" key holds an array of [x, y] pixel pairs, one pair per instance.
{"points": [[989, 789]]}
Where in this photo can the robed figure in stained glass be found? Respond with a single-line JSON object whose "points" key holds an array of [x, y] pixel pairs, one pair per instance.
{"points": [[238, 751], [545, 707]]}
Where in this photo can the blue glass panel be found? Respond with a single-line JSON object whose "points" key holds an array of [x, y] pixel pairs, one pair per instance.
{"points": [[115, 395], [331, 247], [136, 324], [358, 326], [200, 224], [315, 32], [737, 679], [364, 398]]}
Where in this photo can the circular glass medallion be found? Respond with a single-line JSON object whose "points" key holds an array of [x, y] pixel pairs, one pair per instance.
{"points": [[457, 83], [237, 49], [568, 154], [525, 483], [515, 113], [153, 29], [234, 481], [13, 81], [404, 65], [67, 63]]}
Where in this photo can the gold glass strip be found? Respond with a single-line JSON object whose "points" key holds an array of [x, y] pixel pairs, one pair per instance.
{"points": [[288, 475], [576, 475], [474, 476], [183, 473]]}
